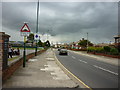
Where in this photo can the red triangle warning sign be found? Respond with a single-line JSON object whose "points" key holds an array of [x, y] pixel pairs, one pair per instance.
{"points": [[25, 28]]}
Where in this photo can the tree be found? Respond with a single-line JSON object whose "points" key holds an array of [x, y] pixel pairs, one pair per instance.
{"points": [[31, 38], [40, 44], [47, 43], [84, 43]]}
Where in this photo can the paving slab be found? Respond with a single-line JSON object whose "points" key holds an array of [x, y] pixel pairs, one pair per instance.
{"points": [[40, 72]]}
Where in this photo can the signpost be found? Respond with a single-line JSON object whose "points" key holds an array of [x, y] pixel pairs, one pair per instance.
{"points": [[37, 26], [24, 32], [36, 36]]}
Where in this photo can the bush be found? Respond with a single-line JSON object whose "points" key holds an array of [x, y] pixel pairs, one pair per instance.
{"points": [[114, 51], [96, 49], [91, 49], [107, 48], [100, 49]]}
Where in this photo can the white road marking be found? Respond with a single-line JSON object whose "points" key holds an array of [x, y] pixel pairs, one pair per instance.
{"points": [[82, 61], [105, 70], [73, 57]]}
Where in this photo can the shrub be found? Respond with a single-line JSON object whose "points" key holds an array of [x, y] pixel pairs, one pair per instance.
{"points": [[91, 49], [107, 48], [100, 49], [114, 51], [96, 49]]}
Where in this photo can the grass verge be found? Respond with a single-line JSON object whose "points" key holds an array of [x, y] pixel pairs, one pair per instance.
{"points": [[11, 59], [27, 48]]}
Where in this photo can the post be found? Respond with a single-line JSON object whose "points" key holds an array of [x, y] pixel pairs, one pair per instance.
{"points": [[37, 26], [36, 49], [87, 41], [24, 52]]}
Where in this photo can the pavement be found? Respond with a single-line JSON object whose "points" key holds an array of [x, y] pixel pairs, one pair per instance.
{"points": [[41, 71]]}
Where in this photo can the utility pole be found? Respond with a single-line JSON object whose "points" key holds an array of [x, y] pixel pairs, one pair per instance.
{"points": [[47, 34], [87, 41], [37, 26]]}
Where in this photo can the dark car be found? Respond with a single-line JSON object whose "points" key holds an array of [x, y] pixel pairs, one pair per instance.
{"points": [[59, 49], [63, 52]]}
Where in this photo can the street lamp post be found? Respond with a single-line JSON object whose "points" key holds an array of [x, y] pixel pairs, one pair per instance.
{"points": [[37, 26], [87, 41]]}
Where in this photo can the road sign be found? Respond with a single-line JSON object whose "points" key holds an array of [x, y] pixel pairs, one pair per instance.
{"points": [[25, 28], [36, 36]]}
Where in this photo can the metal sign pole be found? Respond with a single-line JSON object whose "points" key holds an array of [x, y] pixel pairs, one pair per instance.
{"points": [[24, 52], [24, 32]]}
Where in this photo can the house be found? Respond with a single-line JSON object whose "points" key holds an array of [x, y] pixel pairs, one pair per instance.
{"points": [[117, 40], [101, 44]]}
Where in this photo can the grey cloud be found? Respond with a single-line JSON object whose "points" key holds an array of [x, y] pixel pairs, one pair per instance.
{"points": [[99, 19]]}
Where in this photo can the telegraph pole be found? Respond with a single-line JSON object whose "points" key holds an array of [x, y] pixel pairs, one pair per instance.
{"points": [[87, 41], [37, 26]]}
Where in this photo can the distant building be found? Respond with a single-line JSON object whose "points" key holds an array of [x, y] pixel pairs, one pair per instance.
{"points": [[16, 43], [117, 41], [75, 45], [101, 44]]}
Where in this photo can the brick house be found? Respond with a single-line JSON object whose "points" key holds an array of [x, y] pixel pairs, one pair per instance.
{"points": [[117, 41]]}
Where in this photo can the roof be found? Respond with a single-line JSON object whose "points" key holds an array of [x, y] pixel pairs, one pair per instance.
{"points": [[117, 36], [102, 44]]}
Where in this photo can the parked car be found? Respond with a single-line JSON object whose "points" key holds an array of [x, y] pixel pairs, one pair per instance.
{"points": [[59, 49], [63, 52]]}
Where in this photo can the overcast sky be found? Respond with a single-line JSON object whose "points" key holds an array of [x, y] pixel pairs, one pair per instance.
{"points": [[67, 21]]}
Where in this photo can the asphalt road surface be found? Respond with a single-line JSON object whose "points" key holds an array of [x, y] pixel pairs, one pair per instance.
{"points": [[92, 72]]}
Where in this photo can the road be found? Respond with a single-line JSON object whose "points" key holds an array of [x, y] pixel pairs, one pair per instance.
{"points": [[92, 72]]}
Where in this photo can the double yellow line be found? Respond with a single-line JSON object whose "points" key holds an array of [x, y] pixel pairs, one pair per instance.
{"points": [[72, 74]]}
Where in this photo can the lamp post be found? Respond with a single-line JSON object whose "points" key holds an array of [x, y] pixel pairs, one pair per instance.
{"points": [[37, 26], [87, 41]]}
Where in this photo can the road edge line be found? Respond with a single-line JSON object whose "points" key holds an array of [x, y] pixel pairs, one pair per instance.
{"points": [[72, 73]]}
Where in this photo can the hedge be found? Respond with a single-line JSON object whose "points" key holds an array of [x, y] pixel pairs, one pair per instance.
{"points": [[114, 51], [106, 49]]}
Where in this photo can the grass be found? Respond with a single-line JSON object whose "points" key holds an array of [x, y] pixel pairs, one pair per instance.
{"points": [[13, 58], [27, 48]]}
